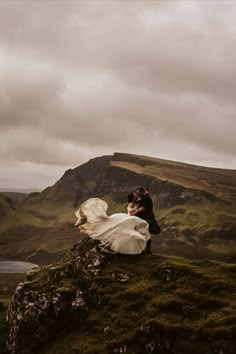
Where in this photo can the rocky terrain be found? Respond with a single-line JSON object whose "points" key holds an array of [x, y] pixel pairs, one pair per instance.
{"points": [[91, 302], [195, 206]]}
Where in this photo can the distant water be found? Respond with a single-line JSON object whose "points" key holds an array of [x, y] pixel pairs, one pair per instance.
{"points": [[16, 267]]}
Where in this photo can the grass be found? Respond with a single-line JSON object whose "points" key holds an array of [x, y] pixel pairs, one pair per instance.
{"points": [[114, 207], [198, 218], [228, 247], [192, 309], [14, 216]]}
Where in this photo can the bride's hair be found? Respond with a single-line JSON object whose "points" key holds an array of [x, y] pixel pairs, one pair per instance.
{"points": [[130, 197]]}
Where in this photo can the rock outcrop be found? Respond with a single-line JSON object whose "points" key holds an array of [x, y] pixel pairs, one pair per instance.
{"points": [[124, 304], [52, 298]]}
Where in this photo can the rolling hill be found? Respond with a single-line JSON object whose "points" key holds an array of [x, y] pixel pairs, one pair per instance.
{"points": [[15, 196], [195, 206]]}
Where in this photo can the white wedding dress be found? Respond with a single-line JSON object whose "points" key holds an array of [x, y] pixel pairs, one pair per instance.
{"points": [[119, 232]]}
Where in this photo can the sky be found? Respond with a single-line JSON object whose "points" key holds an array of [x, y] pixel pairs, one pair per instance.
{"points": [[81, 79]]}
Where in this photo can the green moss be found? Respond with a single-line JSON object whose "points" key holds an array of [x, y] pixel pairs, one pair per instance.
{"points": [[197, 303]]}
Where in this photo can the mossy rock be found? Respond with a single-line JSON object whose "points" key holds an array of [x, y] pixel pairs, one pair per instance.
{"points": [[166, 305]]}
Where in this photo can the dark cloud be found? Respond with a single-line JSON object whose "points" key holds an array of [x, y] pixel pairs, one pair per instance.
{"points": [[81, 79]]}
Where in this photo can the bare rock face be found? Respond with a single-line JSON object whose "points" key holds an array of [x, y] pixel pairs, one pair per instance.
{"points": [[165, 194], [52, 298], [98, 177]]}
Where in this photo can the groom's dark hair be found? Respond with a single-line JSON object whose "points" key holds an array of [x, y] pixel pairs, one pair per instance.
{"points": [[140, 189]]}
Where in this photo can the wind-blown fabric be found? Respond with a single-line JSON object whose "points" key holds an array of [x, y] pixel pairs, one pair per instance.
{"points": [[120, 232]]}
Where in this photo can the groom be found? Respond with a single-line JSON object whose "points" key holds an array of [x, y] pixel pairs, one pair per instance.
{"points": [[145, 211]]}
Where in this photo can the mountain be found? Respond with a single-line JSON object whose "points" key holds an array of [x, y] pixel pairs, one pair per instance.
{"points": [[94, 302], [19, 190], [15, 196], [195, 206]]}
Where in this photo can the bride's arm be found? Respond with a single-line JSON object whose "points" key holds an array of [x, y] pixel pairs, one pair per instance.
{"points": [[130, 210]]}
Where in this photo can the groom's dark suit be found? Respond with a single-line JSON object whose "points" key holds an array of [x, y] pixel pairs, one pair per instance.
{"points": [[147, 204], [146, 213]]}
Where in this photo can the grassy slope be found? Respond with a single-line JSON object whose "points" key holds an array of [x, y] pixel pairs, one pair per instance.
{"points": [[13, 216], [52, 205], [194, 311], [17, 227]]}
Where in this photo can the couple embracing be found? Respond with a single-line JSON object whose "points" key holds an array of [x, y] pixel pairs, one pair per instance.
{"points": [[119, 232], [140, 204]]}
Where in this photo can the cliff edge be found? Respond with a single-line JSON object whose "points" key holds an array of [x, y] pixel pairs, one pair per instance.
{"points": [[93, 302]]}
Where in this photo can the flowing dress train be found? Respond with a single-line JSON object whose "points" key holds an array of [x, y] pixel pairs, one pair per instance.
{"points": [[120, 232]]}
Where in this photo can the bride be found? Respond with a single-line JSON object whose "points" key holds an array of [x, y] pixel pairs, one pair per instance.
{"points": [[119, 232]]}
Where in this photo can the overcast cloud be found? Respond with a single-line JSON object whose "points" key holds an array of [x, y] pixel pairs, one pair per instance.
{"points": [[80, 79]]}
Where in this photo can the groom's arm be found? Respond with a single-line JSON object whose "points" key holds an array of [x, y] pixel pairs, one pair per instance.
{"points": [[143, 206], [139, 210]]}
